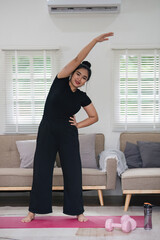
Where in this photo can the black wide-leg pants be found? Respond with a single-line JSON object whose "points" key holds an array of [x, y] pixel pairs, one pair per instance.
{"points": [[57, 136]]}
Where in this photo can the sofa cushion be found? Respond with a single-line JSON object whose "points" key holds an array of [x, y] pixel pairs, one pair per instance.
{"points": [[150, 153], [13, 177], [90, 177], [26, 151], [132, 155], [141, 179], [87, 150], [93, 177], [16, 177]]}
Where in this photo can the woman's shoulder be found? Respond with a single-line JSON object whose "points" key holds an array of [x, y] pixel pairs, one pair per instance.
{"points": [[83, 96], [82, 93]]}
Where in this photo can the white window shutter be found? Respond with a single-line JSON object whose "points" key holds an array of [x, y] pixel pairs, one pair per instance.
{"points": [[28, 75], [136, 90]]}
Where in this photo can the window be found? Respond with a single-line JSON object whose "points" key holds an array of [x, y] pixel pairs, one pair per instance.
{"points": [[28, 76], [137, 90]]}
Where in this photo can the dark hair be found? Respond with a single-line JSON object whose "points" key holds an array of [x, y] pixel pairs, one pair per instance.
{"points": [[86, 65]]}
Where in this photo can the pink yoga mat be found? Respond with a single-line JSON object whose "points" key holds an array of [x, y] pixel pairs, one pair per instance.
{"points": [[63, 222]]}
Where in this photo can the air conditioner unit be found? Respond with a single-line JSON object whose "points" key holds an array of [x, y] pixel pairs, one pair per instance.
{"points": [[84, 6]]}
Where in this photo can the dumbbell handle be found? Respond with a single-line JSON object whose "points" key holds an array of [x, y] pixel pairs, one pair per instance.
{"points": [[117, 225]]}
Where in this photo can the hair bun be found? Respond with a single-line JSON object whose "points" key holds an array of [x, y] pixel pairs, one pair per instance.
{"points": [[88, 64]]}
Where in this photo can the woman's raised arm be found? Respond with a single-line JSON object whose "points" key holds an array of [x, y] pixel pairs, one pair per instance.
{"points": [[71, 66]]}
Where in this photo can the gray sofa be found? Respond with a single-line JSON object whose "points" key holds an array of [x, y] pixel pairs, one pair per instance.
{"points": [[139, 180], [14, 178]]}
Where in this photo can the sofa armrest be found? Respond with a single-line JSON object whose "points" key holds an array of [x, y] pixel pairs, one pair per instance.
{"points": [[111, 173]]}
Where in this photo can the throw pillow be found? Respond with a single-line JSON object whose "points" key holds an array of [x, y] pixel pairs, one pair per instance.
{"points": [[87, 150], [132, 155], [150, 153], [26, 151]]}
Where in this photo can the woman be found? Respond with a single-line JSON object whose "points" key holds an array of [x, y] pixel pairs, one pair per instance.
{"points": [[58, 133]]}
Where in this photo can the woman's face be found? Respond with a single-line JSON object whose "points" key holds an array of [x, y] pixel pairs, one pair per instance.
{"points": [[79, 77]]}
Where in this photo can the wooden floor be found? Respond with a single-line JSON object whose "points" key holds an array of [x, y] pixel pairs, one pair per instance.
{"points": [[136, 200]]}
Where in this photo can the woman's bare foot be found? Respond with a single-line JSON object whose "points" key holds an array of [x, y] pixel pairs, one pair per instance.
{"points": [[82, 218], [28, 218]]}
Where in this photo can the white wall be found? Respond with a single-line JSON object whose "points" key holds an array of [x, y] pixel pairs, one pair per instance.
{"points": [[28, 23]]}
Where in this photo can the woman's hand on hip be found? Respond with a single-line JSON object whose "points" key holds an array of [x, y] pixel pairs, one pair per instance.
{"points": [[73, 121]]}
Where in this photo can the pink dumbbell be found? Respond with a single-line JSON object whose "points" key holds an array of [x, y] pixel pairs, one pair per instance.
{"points": [[128, 218], [127, 224]]}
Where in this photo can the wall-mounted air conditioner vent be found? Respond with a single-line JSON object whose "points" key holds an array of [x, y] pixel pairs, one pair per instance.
{"points": [[84, 6]]}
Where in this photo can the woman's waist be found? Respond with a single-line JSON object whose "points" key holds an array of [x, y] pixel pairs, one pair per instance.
{"points": [[56, 118], [58, 124]]}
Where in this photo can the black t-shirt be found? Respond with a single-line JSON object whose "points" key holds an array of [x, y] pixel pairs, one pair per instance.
{"points": [[62, 102]]}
